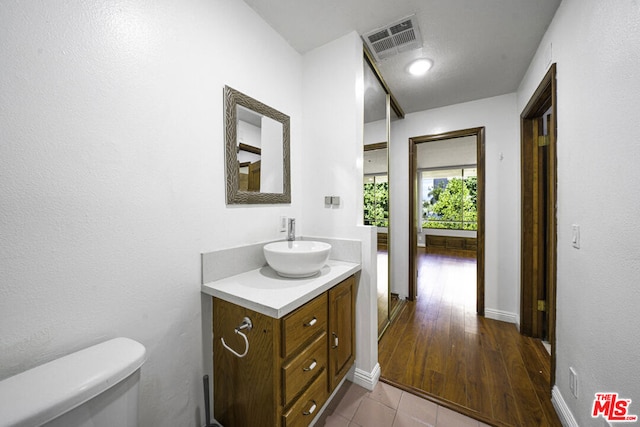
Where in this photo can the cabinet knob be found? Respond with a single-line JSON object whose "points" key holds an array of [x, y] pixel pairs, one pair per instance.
{"points": [[311, 322], [311, 410], [335, 340], [311, 367]]}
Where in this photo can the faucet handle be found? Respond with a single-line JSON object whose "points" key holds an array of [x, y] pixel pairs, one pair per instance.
{"points": [[291, 229]]}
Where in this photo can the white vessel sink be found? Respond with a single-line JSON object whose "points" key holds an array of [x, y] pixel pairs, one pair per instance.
{"points": [[300, 258]]}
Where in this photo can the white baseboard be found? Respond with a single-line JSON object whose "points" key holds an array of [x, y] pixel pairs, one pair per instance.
{"points": [[563, 411], [504, 316], [366, 379]]}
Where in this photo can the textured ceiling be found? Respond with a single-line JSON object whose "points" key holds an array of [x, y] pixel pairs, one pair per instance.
{"points": [[480, 48]]}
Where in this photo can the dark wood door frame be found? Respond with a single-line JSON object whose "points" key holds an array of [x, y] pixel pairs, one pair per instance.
{"points": [[536, 261], [413, 201]]}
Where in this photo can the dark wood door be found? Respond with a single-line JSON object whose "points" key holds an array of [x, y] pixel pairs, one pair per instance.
{"points": [[541, 225], [254, 176], [539, 178], [539, 124]]}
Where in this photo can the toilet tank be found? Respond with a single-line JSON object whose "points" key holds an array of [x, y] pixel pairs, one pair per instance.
{"points": [[96, 387]]}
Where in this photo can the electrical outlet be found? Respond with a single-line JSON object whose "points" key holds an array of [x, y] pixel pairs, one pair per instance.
{"points": [[573, 382]]}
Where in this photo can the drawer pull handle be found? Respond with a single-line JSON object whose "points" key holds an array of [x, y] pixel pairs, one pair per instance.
{"points": [[311, 322], [311, 410], [311, 367], [335, 340]]}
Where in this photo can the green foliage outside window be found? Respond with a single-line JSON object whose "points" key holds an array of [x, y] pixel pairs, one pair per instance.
{"points": [[376, 204], [452, 205]]}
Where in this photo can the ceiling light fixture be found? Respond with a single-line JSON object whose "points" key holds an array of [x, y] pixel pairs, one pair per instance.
{"points": [[420, 66]]}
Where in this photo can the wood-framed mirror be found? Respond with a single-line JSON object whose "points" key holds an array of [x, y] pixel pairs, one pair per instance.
{"points": [[257, 151]]}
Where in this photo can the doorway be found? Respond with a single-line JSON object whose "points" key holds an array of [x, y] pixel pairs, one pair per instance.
{"points": [[440, 349], [415, 219], [538, 124]]}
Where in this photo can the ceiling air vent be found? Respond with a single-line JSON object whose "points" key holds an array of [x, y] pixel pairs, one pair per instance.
{"points": [[397, 37]]}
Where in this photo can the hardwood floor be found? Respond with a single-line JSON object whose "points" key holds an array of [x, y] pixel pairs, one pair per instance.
{"points": [[440, 349]]}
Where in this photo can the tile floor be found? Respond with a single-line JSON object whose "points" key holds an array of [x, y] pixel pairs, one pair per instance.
{"points": [[387, 406]]}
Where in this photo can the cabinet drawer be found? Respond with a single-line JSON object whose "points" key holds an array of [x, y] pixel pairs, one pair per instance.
{"points": [[307, 407], [304, 323], [298, 373]]}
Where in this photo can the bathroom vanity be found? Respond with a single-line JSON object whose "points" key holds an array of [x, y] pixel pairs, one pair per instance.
{"points": [[301, 344]]}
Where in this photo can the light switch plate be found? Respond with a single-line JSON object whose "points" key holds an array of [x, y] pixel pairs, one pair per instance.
{"points": [[573, 382], [575, 236]]}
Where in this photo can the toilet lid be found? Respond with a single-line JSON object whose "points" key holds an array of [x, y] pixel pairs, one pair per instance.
{"points": [[41, 394]]}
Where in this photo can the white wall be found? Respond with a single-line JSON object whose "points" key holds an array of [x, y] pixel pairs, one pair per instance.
{"points": [[333, 110], [375, 132], [112, 178], [502, 212], [271, 168], [375, 162], [249, 134], [596, 45]]}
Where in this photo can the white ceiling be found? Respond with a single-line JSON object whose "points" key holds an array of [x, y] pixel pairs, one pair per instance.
{"points": [[480, 48]]}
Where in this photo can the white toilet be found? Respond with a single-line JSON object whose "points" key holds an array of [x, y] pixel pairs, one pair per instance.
{"points": [[94, 387]]}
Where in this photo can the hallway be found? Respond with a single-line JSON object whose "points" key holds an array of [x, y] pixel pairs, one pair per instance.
{"points": [[440, 349]]}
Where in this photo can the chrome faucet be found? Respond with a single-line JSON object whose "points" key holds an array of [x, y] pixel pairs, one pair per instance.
{"points": [[291, 229]]}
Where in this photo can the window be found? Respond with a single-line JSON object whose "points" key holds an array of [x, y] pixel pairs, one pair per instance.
{"points": [[449, 198], [376, 200]]}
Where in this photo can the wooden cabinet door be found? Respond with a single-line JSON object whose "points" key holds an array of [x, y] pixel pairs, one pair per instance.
{"points": [[341, 330], [244, 389]]}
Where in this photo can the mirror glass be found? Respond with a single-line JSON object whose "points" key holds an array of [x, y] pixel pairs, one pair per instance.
{"points": [[257, 151], [376, 183]]}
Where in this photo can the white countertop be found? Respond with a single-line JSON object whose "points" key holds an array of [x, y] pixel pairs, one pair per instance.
{"points": [[262, 290]]}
